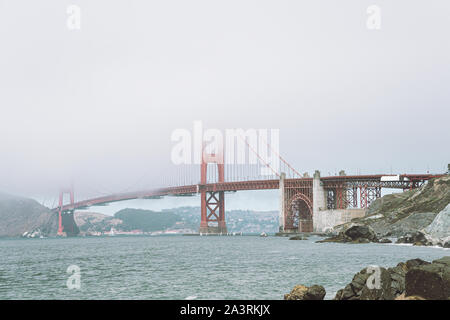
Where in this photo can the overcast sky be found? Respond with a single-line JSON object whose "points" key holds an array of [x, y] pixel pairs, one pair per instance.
{"points": [[97, 106]]}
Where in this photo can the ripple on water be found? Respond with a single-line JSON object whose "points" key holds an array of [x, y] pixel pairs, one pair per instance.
{"points": [[187, 267]]}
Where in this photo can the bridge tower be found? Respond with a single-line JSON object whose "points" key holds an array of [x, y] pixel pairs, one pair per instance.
{"points": [[66, 222], [212, 203]]}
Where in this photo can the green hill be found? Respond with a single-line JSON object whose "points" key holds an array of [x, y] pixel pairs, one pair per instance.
{"points": [[145, 220]]}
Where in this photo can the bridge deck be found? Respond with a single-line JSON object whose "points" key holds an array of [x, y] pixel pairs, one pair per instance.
{"points": [[329, 182]]}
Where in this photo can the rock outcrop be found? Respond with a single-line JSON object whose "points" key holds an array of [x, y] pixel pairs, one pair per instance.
{"points": [[413, 280], [400, 214], [301, 292], [355, 233], [438, 232], [417, 238], [430, 281], [298, 238], [358, 289]]}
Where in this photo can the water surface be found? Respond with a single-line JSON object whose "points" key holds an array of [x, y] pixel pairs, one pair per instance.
{"points": [[178, 267]]}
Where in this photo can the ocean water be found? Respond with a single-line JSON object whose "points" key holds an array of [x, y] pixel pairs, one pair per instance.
{"points": [[179, 267]]}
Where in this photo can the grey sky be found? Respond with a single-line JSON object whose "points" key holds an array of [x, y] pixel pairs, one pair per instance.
{"points": [[97, 106]]}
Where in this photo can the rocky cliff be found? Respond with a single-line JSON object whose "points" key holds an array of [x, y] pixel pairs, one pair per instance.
{"points": [[21, 215], [399, 214], [439, 229]]}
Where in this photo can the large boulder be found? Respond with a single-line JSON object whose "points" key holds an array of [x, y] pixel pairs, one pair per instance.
{"points": [[297, 293], [438, 231], [418, 238], [446, 244], [430, 281], [414, 279], [391, 282], [315, 292], [356, 233], [440, 227], [298, 238], [383, 292], [360, 232], [363, 288], [301, 292]]}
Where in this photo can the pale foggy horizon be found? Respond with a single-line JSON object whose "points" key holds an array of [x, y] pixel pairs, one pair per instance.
{"points": [[96, 106], [216, 159]]}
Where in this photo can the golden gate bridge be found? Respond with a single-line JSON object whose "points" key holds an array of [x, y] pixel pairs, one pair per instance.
{"points": [[301, 196]]}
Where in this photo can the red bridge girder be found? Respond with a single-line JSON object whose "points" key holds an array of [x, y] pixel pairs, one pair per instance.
{"points": [[301, 183]]}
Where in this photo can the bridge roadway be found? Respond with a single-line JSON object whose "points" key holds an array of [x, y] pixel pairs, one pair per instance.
{"points": [[406, 181]]}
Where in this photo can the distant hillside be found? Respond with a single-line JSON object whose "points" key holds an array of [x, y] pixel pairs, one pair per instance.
{"points": [[92, 222], [145, 220], [19, 215], [401, 213], [182, 219], [247, 221]]}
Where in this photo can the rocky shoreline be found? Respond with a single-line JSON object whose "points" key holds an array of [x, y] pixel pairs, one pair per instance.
{"points": [[356, 233], [353, 234], [411, 280], [434, 234]]}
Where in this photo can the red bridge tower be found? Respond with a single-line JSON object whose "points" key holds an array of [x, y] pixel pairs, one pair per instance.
{"points": [[212, 203], [62, 212]]}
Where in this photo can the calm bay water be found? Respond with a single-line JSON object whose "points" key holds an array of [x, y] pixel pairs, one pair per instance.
{"points": [[177, 267]]}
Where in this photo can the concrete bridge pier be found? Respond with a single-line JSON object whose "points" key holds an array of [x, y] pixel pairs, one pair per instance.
{"points": [[319, 198], [298, 204], [282, 199], [325, 218]]}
